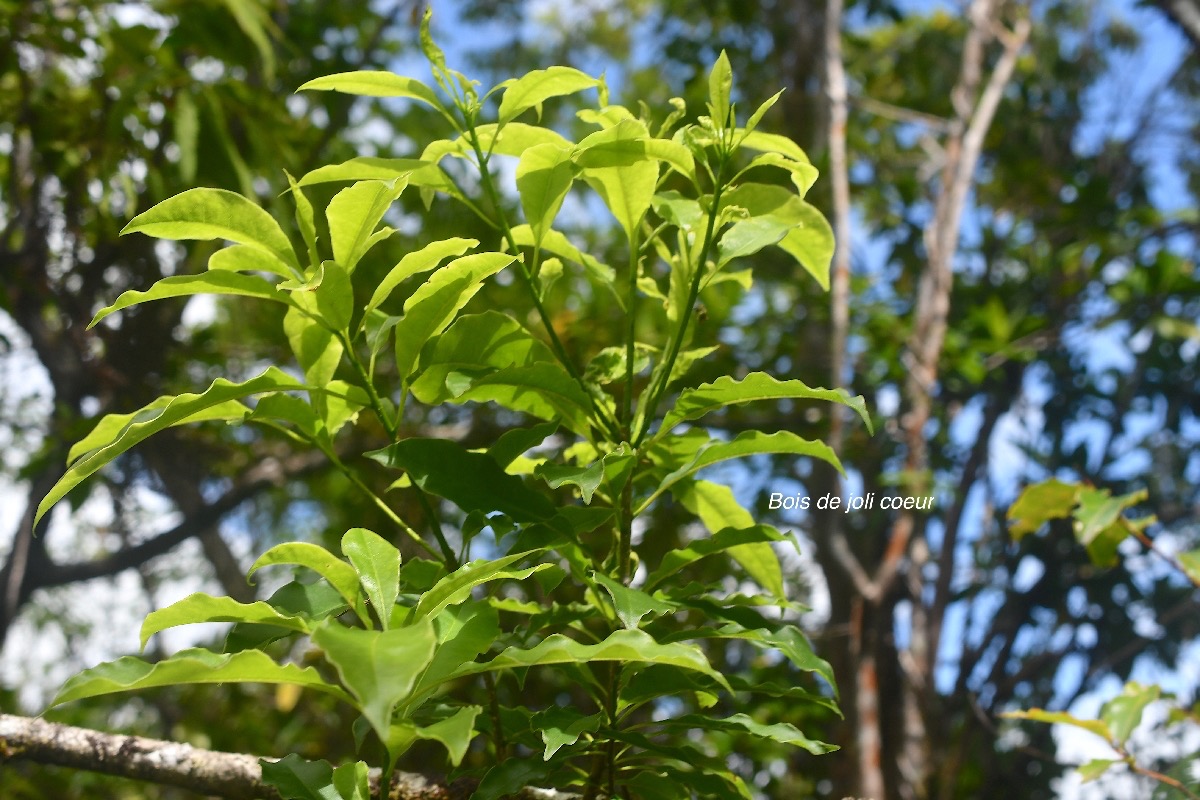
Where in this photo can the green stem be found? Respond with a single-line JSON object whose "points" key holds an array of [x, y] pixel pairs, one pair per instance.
{"points": [[436, 526], [384, 507], [664, 378], [627, 411]]}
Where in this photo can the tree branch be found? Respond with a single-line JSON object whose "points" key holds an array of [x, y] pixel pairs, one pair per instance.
{"points": [[235, 776]]}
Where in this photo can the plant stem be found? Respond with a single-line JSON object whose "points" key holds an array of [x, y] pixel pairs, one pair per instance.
{"points": [[664, 378], [631, 313]]}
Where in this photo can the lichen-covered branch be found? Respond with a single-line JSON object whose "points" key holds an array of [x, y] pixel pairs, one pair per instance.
{"points": [[236, 776]]}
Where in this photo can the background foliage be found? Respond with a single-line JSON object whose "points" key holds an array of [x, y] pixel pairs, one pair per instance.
{"points": [[1070, 349]]}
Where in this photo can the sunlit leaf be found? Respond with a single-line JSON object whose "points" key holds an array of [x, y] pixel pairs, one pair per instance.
{"points": [[192, 666], [214, 214]]}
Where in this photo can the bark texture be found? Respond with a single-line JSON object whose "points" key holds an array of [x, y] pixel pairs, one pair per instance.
{"points": [[236, 776]]}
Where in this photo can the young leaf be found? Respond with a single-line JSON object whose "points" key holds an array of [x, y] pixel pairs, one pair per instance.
{"points": [[544, 176], [211, 282], [1123, 713], [375, 83], [331, 302], [214, 214], [542, 389], [465, 630], [338, 573], [415, 263], [1040, 503], [1098, 727], [305, 219], [201, 607], [772, 143], [318, 350], [353, 214], [190, 667], [1093, 769], [433, 306], [632, 604], [625, 182], [533, 89], [472, 481], [378, 566], [243, 258], [726, 391], [158, 416], [474, 345], [380, 668], [720, 85]]}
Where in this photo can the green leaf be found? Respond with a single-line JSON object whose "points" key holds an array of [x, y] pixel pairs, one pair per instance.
{"points": [[415, 263], [311, 601], [772, 143], [380, 668], [1097, 522], [631, 604], [811, 243], [340, 575], [761, 111], [542, 389], [298, 779], [1095, 726], [747, 443], [305, 220], [331, 301], [723, 539], [625, 183], [318, 350], [375, 83], [788, 640], [455, 733], [533, 89], [1096, 767], [474, 345], [465, 630], [726, 391], [544, 176], [456, 587], [1190, 561], [586, 478], [434, 305], [214, 214], [561, 727], [782, 732], [200, 607], [187, 133], [159, 416], [1123, 713], [243, 258], [1040, 503], [624, 646], [472, 481], [749, 236], [111, 425], [720, 85], [352, 781], [718, 509], [556, 243], [803, 174], [511, 444], [211, 282], [377, 564], [193, 666], [353, 214], [369, 168]]}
